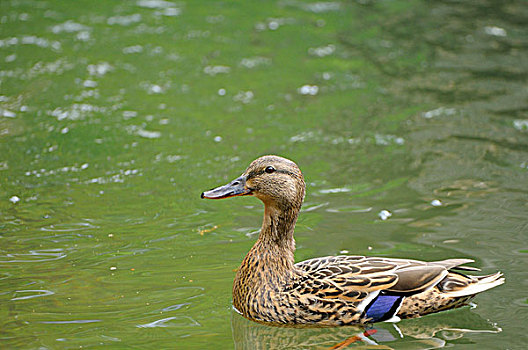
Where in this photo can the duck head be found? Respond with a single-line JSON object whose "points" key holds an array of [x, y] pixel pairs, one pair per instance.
{"points": [[276, 181]]}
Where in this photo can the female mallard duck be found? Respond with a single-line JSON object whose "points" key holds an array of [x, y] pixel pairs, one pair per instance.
{"points": [[334, 290]]}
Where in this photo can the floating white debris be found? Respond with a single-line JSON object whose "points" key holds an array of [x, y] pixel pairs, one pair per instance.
{"points": [[322, 6], [9, 42], [273, 23], [308, 90], [174, 158], [99, 69], [65, 169], [343, 251], [7, 113], [217, 139], [113, 268], [436, 203], [214, 70], [129, 114], [14, 199], [244, 96], [521, 124], [384, 214], [385, 140], [154, 89], [10, 58], [133, 49], [255, 61], [69, 27], [155, 4], [148, 134], [90, 83], [495, 31], [83, 36], [303, 137], [56, 67], [322, 51], [442, 111], [65, 130], [335, 190], [30, 40], [221, 92], [171, 12], [75, 111], [124, 20]]}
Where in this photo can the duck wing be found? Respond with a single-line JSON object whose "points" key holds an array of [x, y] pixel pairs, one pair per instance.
{"points": [[371, 287]]}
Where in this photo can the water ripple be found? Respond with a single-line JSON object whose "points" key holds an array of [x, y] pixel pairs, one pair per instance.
{"points": [[38, 293], [78, 226], [175, 307], [37, 255], [70, 321], [178, 321]]}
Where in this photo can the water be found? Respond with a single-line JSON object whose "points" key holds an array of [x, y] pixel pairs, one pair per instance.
{"points": [[115, 116]]}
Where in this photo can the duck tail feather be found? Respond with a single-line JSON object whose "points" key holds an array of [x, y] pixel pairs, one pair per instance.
{"points": [[483, 283]]}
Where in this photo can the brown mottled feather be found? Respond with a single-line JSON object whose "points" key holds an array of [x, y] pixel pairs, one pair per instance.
{"points": [[334, 290]]}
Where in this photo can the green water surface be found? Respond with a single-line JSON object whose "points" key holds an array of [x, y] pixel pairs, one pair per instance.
{"points": [[116, 115]]}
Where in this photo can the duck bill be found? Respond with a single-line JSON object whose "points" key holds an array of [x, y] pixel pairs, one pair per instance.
{"points": [[235, 188]]}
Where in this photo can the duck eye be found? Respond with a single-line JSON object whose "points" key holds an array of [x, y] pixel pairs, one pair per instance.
{"points": [[269, 169]]}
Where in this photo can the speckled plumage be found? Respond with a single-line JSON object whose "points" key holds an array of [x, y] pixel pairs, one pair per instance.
{"points": [[335, 290]]}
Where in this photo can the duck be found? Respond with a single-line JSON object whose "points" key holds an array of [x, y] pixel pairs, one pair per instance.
{"points": [[269, 287]]}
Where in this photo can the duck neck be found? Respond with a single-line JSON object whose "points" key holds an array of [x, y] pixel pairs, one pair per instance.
{"points": [[277, 230], [275, 246], [270, 263]]}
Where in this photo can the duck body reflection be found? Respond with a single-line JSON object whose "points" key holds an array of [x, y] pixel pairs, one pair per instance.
{"points": [[433, 332]]}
